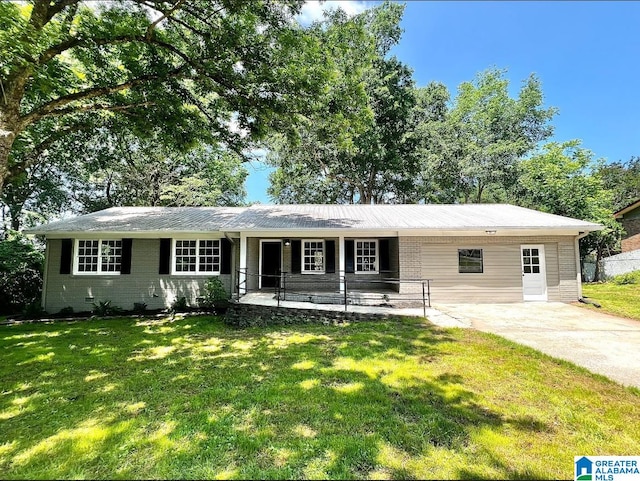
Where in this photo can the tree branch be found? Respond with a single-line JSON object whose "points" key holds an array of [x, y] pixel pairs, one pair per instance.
{"points": [[164, 15]]}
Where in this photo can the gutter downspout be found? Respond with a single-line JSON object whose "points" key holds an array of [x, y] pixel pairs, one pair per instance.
{"points": [[578, 266]]}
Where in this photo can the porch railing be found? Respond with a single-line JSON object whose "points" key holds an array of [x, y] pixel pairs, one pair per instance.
{"points": [[346, 290]]}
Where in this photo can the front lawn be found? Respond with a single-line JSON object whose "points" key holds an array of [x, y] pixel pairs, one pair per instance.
{"points": [[621, 300], [194, 399]]}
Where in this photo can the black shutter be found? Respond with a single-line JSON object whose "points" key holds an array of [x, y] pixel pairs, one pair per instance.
{"points": [[384, 254], [165, 256], [350, 262], [125, 266], [296, 260], [65, 256], [330, 255], [225, 262]]}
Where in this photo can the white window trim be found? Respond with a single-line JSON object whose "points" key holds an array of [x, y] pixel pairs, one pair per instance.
{"points": [[76, 258], [196, 272], [324, 257], [355, 257]]}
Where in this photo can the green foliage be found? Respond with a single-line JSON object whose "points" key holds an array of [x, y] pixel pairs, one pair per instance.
{"points": [[179, 305], [563, 179], [628, 278], [33, 310], [104, 308], [214, 294], [623, 180], [223, 73], [493, 131], [356, 145], [139, 307], [21, 265], [66, 311]]}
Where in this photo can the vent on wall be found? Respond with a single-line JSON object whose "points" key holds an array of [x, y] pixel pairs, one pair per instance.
{"points": [[89, 299]]}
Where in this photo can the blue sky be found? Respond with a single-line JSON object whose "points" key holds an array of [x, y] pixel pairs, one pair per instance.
{"points": [[586, 54]]}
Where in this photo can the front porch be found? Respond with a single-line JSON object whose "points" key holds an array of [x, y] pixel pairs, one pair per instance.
{"points": [[344, 291]]}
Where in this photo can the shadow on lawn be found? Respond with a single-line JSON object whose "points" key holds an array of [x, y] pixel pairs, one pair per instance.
{"points": [[194, 399]]}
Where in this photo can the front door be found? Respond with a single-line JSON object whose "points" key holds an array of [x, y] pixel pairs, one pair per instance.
{"points": [[534, 279], [270, 263]]}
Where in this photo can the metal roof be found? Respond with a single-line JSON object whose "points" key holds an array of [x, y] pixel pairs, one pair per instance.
{"points": [[314, 217], [145, 219], [400, 216]]}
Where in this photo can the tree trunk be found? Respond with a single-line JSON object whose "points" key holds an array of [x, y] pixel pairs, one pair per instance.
{"points": [[596, 273], [7, 137]]}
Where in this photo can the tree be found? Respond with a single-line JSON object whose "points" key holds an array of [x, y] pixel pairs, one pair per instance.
{"points": [[623, 179], [20, 273], [492, 131], [108, 166], [436, 147], [563, 179], [359, 147], [224, 72]]}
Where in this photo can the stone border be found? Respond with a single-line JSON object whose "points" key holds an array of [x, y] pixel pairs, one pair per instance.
{"points": [[249, 315]]}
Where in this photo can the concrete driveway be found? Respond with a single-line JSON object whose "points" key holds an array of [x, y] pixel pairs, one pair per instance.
{"points": [[602, 343]]}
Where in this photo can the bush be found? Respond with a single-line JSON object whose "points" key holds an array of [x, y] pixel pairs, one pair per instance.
{"points": [[628, 278], [139, 307], [179, 305], [104, 308], [21, 265], [66, 311], [33, 311], [214, 295]]}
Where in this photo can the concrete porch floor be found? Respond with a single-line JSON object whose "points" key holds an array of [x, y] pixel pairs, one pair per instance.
{"points": [[434, 315]]}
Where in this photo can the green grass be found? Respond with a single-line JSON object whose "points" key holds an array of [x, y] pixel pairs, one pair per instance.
{"points": [[192, 398], [621, 300]]}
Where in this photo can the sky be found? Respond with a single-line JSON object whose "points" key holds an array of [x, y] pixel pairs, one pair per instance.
{"points": [[586, 55]]}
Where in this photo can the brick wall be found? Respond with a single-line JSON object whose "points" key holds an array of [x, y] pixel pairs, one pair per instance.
{"points": [[631, 242]]}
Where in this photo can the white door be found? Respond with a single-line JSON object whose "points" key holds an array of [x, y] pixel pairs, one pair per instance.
{"points": [[534, 278]]}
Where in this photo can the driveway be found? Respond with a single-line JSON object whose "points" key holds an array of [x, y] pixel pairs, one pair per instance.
{"points": [[602, 343]]}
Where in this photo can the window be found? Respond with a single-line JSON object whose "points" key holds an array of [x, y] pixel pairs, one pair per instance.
{"points": [[197, 256], [470, 261], [367, 256], [531, 261], [98, 256], [313, 256]]}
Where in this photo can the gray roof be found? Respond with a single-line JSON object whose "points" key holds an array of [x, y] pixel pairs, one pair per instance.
{"points": [[405, 216], [145, 219], [312, 217]]}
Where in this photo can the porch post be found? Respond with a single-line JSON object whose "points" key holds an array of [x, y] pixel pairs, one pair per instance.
{"points": [[341, 262], [242, 274]]}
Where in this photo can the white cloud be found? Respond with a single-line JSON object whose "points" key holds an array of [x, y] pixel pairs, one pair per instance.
{"points": [[313, 10]]}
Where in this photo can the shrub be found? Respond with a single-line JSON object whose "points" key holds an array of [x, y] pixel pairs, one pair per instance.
{"points": [[179, 305], [104, 308], [21, 266], [139, 307], [66, 311], [628, 278], [214, 294], [33, 310]]}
